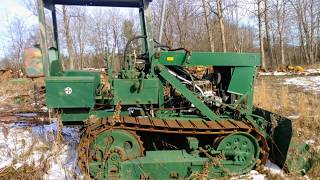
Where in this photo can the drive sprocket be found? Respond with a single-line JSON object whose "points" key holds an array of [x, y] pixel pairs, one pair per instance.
{"points": [[102, 149]]}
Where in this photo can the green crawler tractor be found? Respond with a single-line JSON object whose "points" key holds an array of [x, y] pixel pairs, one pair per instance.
{"points": [[167, 113]]}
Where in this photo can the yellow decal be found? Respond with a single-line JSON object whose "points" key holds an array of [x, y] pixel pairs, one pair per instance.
{"points": [[170, 58]]}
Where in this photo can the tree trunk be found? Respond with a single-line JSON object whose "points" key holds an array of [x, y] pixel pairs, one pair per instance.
{"points": [[221, 22], [312, 29], [267, 28], [208, 26], [263, 64], [280, 15], [66, 23], [283, 62], [80, 38], [302, 43], [318, 34]]}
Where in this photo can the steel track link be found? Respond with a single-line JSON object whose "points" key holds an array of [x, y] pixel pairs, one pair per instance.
{"points": [[192, 127]]}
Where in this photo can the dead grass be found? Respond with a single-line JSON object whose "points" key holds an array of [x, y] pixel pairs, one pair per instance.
{"points": [[302, 107], [313, 66], [32, 171], [25, 172], [16, 96]]}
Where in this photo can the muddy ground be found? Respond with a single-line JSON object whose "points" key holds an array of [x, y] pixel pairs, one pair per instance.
{"points": [[40, 148]]}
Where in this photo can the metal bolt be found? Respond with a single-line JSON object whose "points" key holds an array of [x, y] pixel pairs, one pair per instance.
{"points": [[174, 175]]}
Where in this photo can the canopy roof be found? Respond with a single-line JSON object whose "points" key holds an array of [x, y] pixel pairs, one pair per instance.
{"points": [[112, 3]]}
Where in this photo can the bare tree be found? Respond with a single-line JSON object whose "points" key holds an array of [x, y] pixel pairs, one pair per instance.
{"points": [[99, 38], [306, 21], [208, 26], [260, 16], [18, 35], [285, 35], [267, 28], [221, 22], [281, 13], [67, 32], [115, 25], [80, 31]]}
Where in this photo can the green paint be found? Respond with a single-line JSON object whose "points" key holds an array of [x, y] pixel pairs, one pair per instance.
{"points": [[111, 148], [70, 92], [77, 73], [135, 91], [242, 80], [55, 69], [210, 59], [241, 152], [78, 95]]}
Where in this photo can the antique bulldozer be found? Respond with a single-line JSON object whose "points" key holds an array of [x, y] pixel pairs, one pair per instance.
{"points": [[165, 113]]}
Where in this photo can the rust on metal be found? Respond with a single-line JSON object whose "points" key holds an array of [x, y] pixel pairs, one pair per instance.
{"points": [[130, 120], [241, 125], [200, 125], [158, 123], [213, 125], [172, 124], [223, 127], [227, 125], [144, 122], [186, 124]]}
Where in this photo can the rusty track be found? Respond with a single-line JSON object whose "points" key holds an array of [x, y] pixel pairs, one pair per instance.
{"points": [[191, 127]]}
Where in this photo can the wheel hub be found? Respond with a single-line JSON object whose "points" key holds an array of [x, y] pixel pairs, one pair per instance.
{"points": [[241, 152], [108, 149]]}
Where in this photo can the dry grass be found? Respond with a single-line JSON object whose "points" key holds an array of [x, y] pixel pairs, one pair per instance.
{"points": [[16, 96], [313, 66], [25, 172], [290, 102], [302, 107], [32, 170]]}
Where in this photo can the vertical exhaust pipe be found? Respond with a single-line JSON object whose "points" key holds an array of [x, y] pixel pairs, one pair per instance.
{"points": [[163, 13]]}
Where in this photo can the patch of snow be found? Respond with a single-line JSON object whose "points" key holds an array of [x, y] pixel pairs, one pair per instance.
{"points": [[27, 114], [27, 145], [293, 117], [280, 73], [309, 83], [275, 73], [3, 98], [44, 109], [273, 168], [310, 141], [311, 71], [255, 175], [306, 177]]}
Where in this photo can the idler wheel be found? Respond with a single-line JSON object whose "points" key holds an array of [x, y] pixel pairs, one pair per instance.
{"points": [[240, 153]]}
